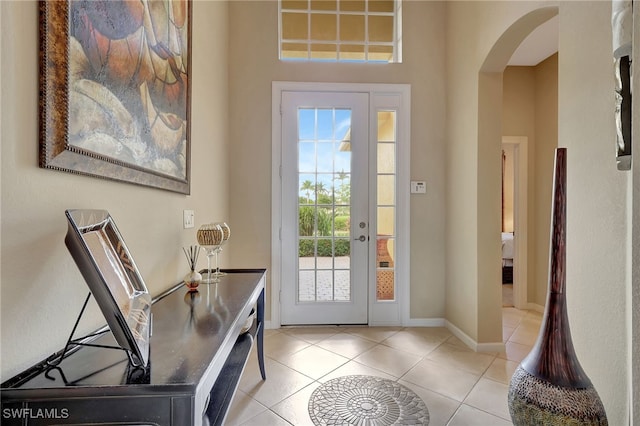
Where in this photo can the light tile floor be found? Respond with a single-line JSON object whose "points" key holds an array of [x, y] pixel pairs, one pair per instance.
{"points": [[459, 386]]}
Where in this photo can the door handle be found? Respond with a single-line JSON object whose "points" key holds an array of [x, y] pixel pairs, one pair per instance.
{"points": [[361, 238]]}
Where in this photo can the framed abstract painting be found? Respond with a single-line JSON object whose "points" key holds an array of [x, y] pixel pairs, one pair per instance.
{"points": [[115, 91]]}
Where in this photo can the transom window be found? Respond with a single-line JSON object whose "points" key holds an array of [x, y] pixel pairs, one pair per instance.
{"points": [[340, 30]]}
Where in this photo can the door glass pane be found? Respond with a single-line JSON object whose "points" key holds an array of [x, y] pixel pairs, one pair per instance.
{"points": [[386, 158], [324, 259], [324, 205], [325, 157], [386, 221], [308, 292], [342, 284], [342, 158], [306, 124], [324, 124], [307, 185], [307, 157], [324, 292], [386, 189], [385, 202], [342, 194]]}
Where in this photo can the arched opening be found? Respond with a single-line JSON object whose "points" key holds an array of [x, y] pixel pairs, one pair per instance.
{"points": [[490, 128]]}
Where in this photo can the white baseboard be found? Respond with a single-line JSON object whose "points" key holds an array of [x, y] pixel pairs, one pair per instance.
{"points": [[441, 322], [425, 322], [413, 322], [490, 347], [535, 307], [471, 343]]}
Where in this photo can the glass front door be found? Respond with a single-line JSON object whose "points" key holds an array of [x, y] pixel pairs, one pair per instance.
{"points": [[325, 221]]}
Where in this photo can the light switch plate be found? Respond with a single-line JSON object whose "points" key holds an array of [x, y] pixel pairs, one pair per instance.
{"points": [[188, 219]]}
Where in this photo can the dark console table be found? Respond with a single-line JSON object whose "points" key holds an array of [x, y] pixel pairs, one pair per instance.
{"points": [[197, 357]]}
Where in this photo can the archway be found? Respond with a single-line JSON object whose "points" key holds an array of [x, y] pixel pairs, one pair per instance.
{"points": [[490, 91]]}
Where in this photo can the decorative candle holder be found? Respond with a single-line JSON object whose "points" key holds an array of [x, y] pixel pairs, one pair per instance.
{"points": [[210, 237], [226, 233]]}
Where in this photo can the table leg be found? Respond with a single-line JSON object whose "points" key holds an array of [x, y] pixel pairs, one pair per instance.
{"points": [[261, 334]]}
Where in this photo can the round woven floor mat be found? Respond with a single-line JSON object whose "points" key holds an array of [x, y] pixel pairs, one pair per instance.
{"points": [[366, 400]]}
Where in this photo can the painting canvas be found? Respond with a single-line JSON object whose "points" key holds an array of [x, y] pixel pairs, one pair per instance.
{"points": [[115, 90]]}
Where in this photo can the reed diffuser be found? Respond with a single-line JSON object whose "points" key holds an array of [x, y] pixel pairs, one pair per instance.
{"points": [[192, 279]]}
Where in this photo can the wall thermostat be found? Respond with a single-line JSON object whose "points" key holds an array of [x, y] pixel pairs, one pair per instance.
{"points": [[418, 187]]}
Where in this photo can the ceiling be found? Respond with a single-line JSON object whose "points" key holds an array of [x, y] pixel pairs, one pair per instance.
{"points": [[538, 46]]}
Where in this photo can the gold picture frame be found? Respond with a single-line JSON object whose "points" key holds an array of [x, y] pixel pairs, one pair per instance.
{"points": [[115, 91]]}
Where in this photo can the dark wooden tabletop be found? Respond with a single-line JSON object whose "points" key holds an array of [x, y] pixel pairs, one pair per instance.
{"points": [[188, 331]]}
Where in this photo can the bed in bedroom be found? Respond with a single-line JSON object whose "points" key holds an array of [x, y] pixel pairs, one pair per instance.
{"points": [[507, 257]]}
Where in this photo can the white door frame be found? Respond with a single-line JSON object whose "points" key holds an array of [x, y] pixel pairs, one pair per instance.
{"points": [[520, 186], [381, 309]]}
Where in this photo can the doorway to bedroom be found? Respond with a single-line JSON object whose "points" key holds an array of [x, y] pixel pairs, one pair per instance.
{"points": [[514, 221], [507, 224]]}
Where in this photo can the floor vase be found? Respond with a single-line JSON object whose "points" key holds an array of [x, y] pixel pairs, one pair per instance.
{"points": [[549, 387]]}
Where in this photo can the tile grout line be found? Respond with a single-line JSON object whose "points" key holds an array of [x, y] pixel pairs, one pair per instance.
{"points": [[388, 345]]}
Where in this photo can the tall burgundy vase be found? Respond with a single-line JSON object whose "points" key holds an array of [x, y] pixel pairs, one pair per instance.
{"points": [[549, 387]]}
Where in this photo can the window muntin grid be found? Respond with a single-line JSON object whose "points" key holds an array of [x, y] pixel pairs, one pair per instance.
{"points": [[340, 30], [324, 202], [386, 205]]}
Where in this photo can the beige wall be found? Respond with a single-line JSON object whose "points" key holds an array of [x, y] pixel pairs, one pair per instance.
{"points": [[546, 122], [254, 65], [518, 119], [473, 296], [41, 289], [530, 108], [597, 230], [633, 289], [597, 193], [445, 48]]}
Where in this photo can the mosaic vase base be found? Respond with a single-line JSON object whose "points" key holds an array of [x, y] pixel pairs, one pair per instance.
{"points": [[533, 401]]}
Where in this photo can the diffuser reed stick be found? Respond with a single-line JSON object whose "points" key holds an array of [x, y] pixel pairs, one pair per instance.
{"points": [[192, 256], [193, 278]]}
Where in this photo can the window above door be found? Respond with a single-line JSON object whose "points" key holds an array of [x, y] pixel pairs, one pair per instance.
{"points": [[340, 30]]}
